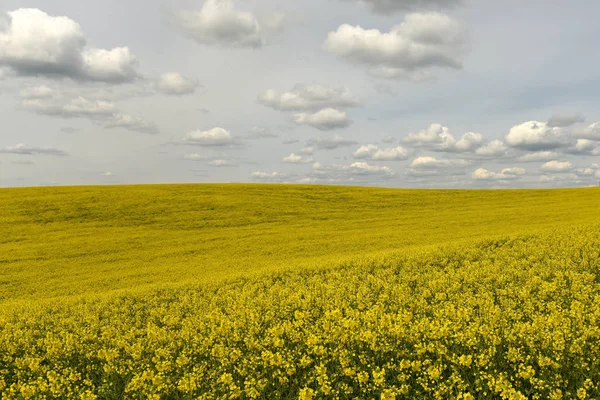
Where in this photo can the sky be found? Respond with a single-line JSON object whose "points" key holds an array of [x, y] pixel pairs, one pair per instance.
{"points": [[393, 93]]}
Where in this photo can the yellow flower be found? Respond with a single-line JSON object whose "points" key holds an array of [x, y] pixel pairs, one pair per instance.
{"points": [[306, 394]]}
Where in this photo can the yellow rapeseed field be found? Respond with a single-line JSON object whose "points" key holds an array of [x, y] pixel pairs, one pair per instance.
{"points": [[298, 292]]}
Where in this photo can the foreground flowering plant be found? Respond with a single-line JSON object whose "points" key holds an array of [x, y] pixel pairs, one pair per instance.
{"points": [[510, 318]]}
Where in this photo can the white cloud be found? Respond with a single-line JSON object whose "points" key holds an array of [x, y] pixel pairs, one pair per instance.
{"points": [[36, 92], [506, 174], [22, 149], [365, 152], [129, 122], [374, 153], [70, 108], [539, 156], [536, 136], [343, 172], [571, 178], [175, 84], [116, 65], [296, 159], [34, 43], [494, 149], [435, 134], [428, 166], [565, 120], [593, 171], [422, 41], [269, 176], [308, 150], [439, 138], [222, 163], [194, 157], [45, 101], [557, 166], [432, 162], [469, 142], [592, 132], [325, 119], [215, 137], [584, 147], [218, 23], [311, 97], [332, 143]]}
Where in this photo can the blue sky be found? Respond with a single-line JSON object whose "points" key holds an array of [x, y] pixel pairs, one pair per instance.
{"points": [[397, 93]]}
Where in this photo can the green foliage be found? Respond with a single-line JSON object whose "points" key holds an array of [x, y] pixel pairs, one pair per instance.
{"points": [[252, 291]]}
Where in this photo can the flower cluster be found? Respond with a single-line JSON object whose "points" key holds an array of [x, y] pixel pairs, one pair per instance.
{"points": [[510, 318]]}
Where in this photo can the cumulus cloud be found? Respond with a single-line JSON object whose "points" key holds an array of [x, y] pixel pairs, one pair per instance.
{"points": [[536, 136], [389, 6], [325, 120], [308, 150], [562, 179], [584, 147], [22, 149], [468, 142], [268, 176], [435, 133], [46, 101], [33, 43], [593, 171], [194, 157], [175, 84], [439, 138], [296, 159], [332, 143], [36, 92], [356, 169], [432, 162], [592, 132], [220, 162], [557, 166], [482, 174], [429, 166], [565, 120], [493, 149], [421, 42], [215, 137], [129, 122], [374, 153], [218, 23], [309, 97], [539, 156], [70, 108]]}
